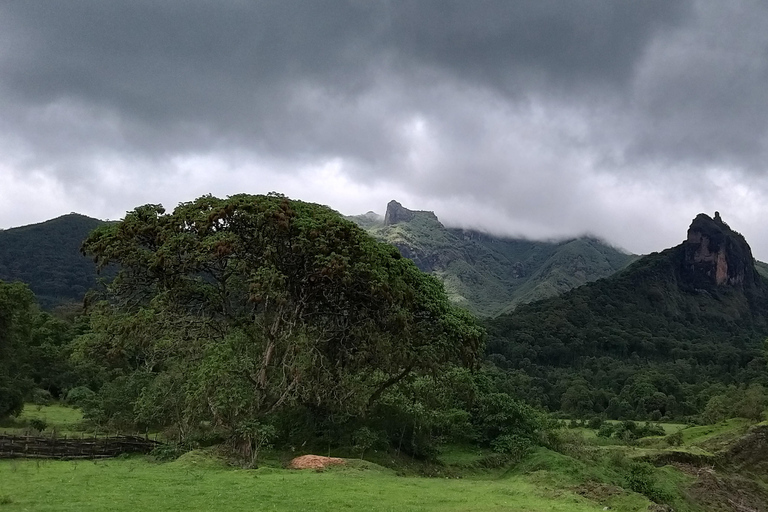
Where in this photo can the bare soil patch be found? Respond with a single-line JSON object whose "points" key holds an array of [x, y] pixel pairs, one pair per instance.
{"points": [[314, 462]]}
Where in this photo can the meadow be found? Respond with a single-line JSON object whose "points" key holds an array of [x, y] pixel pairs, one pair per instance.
{"points": [[584, 476], [197, 482]]}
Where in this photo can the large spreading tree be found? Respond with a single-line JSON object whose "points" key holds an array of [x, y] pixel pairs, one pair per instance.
{"points": [[227, 311]]}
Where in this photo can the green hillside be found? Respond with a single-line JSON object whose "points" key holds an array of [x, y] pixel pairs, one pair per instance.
{"points": [[488, 274], [662, 336], [47, 257]]}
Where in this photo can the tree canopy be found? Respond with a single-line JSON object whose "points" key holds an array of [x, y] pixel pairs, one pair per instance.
{"points": [[228, 310]]}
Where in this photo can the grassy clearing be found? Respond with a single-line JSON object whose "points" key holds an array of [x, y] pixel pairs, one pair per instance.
{"points": [[703, 435], [57, 417], [197, 483]]}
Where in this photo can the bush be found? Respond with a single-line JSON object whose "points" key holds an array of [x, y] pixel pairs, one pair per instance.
{"points": [[38, 424], [640, 478], [675, 439], [168, 452], [595, 422], [515, 446], [364, 438], [41, 397], [606, 430], [79, 396]]}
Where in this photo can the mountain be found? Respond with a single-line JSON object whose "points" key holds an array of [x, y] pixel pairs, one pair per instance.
{"points": [[488, 274], [47, 257], [660, 336]]}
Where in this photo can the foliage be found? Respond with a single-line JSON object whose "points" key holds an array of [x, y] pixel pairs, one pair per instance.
{"points": [[637, 345], [675, 439], [33, 351], [488, 274], [736, 402], [41, 397], [641, 479], [244, 309], [79, 396], [17, 310], [47, 258], [38, 424], [511, 444], [253, 436], [363, 439]]}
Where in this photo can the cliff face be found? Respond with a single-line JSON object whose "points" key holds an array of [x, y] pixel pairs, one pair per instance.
{"points": [[398, 213], [715, 255]]}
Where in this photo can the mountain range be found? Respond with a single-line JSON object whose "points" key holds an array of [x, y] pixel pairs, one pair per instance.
{"points": [[488, 274], [574, 325], [483, 273]]}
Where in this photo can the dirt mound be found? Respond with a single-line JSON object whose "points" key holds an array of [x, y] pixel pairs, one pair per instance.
{"points": [[750, 453], [314, 462], [717, 491]]}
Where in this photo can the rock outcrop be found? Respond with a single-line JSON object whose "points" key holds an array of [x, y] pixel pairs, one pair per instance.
{"points": [[398, 213], [716, 256]]}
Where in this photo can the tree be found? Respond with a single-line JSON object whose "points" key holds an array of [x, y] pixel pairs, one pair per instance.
{"points": [[253, 304], [17, 314]]}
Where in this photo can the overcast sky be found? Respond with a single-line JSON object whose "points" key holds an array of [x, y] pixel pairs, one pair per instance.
{"points": [[539, 118]]}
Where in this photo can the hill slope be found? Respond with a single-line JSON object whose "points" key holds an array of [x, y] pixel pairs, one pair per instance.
{"points": [[488, 274], [47, 257], [653, 337]]}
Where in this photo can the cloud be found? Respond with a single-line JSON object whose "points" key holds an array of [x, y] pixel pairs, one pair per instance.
{"points": [[535, 117]]}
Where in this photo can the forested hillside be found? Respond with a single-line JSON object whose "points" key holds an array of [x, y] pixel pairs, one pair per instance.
{"points": [[47, 257], [660, 338], [488, 274]]}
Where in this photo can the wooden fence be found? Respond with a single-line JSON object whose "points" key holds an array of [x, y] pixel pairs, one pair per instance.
{"points": [[54, 447]]}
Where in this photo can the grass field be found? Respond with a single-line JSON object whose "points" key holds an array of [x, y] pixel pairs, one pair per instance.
{"points": [[62, 419], [588, 476], [194, 483]]}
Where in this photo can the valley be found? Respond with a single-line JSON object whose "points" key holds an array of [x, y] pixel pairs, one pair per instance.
{"points": [[245, 331]]}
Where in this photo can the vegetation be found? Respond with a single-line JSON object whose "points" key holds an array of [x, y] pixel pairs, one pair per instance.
{"points": [[245, 331], [627, 476], [638, 345], [47, 257], [488, 274], [235, 317], [33, 350]]}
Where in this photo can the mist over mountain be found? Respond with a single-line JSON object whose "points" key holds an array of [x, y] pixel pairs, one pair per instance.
{"points": [[489, 274]]}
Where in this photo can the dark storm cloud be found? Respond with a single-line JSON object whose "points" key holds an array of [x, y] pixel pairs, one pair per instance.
{"points": [[242, 69], [509, 106]]}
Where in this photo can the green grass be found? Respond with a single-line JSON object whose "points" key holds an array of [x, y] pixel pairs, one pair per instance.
{"points": [[196, 483], [730, 428], [59, 417]]}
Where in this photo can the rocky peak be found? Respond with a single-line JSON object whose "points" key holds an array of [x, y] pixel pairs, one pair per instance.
{"points": [[715, 255], [398, 213]]}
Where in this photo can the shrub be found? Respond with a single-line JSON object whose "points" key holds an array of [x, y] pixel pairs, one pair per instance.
{"points": [[606, 430], [595, 422], [38, 424], [650, 429], [640, 478], [364, 438], [41, 397], [168, 452], [513, 445], [675, 439], [252, 436], [79, 396]]}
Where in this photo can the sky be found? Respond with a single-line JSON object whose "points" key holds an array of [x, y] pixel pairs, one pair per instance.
{"points": [[535, 118]]}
